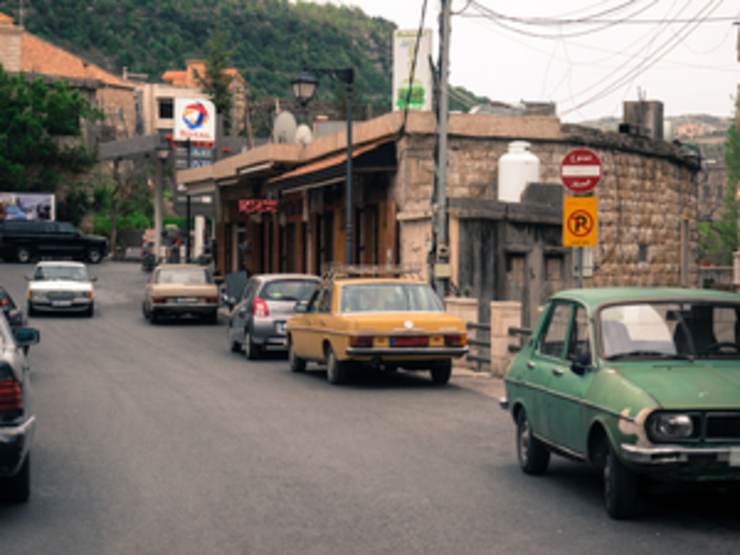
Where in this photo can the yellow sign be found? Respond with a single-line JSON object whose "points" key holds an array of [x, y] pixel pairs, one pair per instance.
{"points": [[580, 221]]}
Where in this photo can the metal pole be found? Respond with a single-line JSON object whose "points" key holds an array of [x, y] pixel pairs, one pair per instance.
{"points": [[349, 166], [580, 267], [158, 211], [441, 193], [187, 213]]}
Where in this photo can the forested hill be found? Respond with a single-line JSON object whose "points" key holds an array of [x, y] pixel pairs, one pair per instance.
{"points": [[269, 38]]}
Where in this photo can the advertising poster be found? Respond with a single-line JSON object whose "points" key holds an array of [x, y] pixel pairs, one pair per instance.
{"points": [[404, 47], [27, 206], [195, 120]]}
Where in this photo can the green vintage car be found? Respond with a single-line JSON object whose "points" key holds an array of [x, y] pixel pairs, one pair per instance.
{"points": [[641, 383]]}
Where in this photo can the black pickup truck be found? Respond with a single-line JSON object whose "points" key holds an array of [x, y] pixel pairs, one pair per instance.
{"points": [[24, 240]]}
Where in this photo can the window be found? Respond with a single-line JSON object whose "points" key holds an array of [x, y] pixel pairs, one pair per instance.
{"points": [[553, 339], [288, 290], [579, 336], [325, 304], [389, 297], [184, 277], [166, 109], [314, 302]]}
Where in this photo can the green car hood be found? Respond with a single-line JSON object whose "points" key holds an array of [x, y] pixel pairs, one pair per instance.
{"points": [[689, 385]]}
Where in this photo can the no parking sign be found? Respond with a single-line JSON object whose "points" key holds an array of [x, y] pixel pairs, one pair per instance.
{"points": [[580, 221]]}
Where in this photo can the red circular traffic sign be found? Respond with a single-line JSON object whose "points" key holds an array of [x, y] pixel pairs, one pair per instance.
{"points": [[581, 170]]}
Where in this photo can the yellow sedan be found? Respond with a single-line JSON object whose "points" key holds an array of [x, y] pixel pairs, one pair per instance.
{"points": [[384, 323]]}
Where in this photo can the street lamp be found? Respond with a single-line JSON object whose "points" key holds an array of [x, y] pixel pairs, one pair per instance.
{"points": [[163, 152], [304, 87]]}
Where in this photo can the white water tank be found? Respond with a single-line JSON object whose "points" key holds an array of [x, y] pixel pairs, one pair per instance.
{"points": [[516, 168]]}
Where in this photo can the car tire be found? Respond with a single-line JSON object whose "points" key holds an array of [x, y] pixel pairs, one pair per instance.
{"points": [[90, 311], [297, 364], [620, 488], [336, 371], [23, 255], [442, 372], [31, 311], [251, 350], [212, 318], [17, 489], [94, 255], [153, 316], [532, 454]]}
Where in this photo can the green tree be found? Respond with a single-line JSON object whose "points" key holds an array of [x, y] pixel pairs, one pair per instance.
{"points": [[718, 239], [34, 118], [216, 82]]}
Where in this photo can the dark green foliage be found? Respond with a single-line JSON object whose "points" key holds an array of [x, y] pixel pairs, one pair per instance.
{"points": [[270, 38], [33, 118], [74, 206], [718, 239], [215, 82]]}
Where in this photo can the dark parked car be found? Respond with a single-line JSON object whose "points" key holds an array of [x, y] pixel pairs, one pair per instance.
{"points": [[17, 422], [24, 240], [12, 313], [258, 318]]}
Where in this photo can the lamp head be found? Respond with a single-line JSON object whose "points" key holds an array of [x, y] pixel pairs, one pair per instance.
{"points": [[163, 150], [304, 87]]}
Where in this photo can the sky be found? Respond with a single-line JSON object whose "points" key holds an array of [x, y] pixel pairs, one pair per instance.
{"points": [[587, 56]]}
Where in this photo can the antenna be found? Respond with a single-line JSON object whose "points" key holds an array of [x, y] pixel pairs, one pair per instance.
{"points": [[284, 128]]}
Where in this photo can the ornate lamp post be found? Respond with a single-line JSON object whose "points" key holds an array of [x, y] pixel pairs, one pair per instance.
{"points": [[304, 87]]}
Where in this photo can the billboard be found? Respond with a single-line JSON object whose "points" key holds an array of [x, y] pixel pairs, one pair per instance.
{"points": [[195, 119], [27, 206], [417, 95]]}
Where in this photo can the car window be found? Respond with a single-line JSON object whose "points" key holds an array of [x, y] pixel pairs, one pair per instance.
{"points": [[579, 343], [325, 303], [313, 303], [388, 297], [71, 273], [294, 289], [248, 289], [184, 276], [6, 303], [553, 338], [65, 227]]}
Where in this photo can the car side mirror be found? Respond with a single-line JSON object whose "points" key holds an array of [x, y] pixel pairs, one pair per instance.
{"points": [[27, 336], [581, 364], [15, 317], [301, 306]]}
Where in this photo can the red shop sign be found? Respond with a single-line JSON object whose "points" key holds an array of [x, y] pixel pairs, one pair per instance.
{"points": [[258, 206]]}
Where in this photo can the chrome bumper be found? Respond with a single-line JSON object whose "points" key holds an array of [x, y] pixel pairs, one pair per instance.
{"points": [[15, 442], [407, 351], [671, 454]]}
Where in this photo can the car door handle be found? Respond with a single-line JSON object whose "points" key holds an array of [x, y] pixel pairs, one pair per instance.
{"points": [[308, 322], [322, 322], [557, 372], [531, 365]]}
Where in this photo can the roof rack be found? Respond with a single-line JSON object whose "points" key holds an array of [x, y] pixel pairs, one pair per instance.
{"points": [[335, 271]]}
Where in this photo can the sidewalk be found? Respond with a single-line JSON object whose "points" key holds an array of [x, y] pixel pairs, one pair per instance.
{"points": [[483, 382]]}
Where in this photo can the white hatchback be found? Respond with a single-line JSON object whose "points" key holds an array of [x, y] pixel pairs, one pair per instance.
{"points": [[60, 286]]}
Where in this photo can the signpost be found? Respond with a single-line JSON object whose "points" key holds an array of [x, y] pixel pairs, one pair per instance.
{"points": [[581, 172]]}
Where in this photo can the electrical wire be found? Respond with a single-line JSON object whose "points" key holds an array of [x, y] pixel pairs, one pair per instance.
{"points": [[413, 67]]}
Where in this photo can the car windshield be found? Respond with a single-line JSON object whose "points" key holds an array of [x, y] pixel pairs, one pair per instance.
{"points": [[388, 297], [288, 289], [184, 276], [670, 329], [69, 273]]}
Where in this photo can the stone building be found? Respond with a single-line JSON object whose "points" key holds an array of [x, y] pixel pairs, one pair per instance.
{"points": [[288, 201]]}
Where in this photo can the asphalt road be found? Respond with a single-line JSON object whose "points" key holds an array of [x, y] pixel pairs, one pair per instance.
{"points": [[158, 439]]}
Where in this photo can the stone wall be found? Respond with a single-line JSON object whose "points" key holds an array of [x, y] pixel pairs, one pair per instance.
{"points": [[645, 194]]}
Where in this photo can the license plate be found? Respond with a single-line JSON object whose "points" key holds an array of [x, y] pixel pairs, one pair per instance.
{"points": [[61, 303], [280, 327], [437, 341], [187, 300], [381, 342], [734, 456]]}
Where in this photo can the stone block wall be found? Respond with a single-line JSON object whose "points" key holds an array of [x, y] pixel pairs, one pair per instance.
{"points": [[467, 310], [504, 315]]}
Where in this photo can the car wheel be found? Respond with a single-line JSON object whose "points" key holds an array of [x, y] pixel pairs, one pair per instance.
{"points": [[336, 370], [212, 318], [532, 454], [297, 364], [441, 372], [94, 255], [620, 488], [17, 489], [153, 316], [23, 255], [31, 311], [251, 350], [90, 311]]}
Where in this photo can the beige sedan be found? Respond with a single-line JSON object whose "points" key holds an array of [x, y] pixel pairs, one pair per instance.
{"points": [[181, 290]]}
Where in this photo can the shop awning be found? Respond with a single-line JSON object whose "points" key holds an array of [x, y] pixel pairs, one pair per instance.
{"points": [[375, 157]]}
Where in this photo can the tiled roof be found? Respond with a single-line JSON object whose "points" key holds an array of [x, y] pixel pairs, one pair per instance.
{"points": [[176, 78], [6, 18], [39, 56]]}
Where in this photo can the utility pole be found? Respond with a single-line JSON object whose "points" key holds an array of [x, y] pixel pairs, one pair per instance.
{"points": [[439, 205]]}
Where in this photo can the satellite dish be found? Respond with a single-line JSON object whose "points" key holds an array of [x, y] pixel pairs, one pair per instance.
{"points": [[284, 129], [303, 134]]}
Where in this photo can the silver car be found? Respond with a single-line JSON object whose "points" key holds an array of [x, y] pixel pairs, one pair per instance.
{"points": [[258, 316]]}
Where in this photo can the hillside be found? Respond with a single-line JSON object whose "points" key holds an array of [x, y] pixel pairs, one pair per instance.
{"points": [[270, 39]]}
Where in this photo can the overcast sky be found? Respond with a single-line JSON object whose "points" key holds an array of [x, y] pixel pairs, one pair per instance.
{"points": [[626, 48]]}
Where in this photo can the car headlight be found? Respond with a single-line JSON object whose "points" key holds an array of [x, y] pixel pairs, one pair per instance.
{"points": [[37, 295], [673, 427], [84, 294]]}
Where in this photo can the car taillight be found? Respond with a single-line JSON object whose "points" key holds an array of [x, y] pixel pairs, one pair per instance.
{"points": [[259, 308], [456, 340], [11, 398], [158, 299], [4, 302], [361, 341], [211, 299]]}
